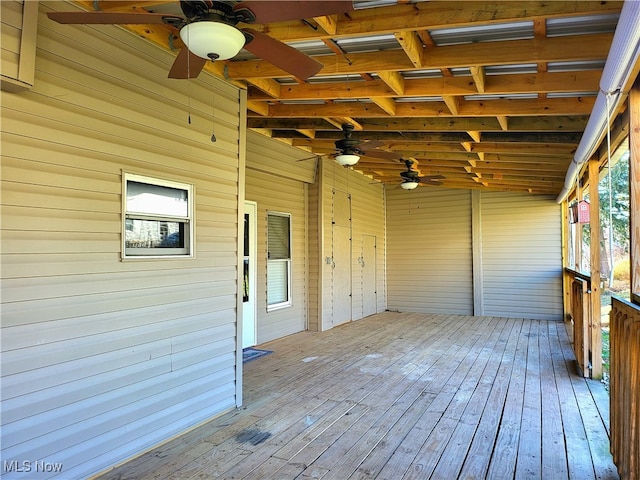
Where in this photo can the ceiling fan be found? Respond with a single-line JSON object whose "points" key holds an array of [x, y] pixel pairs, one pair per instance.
{"points": [[209, 30], [350, 149], [411, 178]]}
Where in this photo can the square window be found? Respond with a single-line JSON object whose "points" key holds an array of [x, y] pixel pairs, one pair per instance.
{"points": [[158, 218]]}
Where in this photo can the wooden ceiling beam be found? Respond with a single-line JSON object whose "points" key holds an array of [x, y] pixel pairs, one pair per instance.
{"points": [[419, 150], [437, 136], [412, 46], [515, 173], [386, 104], [258, 108], [553, 49], [479, 77], [489, 108], [268, 86], [434, 15], [525, 148], [394, 81], [452, 103], [517, 167], [459, 124], [328, 23], [391, 84]]}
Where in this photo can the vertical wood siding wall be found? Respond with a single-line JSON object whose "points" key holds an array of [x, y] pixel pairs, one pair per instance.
{"points": [[367, 218], [103, 358], [276, 182], [521, 255], [430, 256], [429, 260]]}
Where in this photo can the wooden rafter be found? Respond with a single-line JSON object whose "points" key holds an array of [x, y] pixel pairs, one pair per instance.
{"points": [[478, 115]]}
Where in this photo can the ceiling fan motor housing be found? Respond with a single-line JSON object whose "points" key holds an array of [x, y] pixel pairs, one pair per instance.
{"points": [[211, 32]]}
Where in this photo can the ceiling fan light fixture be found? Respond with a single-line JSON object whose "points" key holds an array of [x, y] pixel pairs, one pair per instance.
{"points": [[212, 40], [347, 159], [409, 185]]}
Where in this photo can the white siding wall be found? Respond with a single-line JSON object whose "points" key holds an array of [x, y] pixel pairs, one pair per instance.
{"points": [[521, 256], [285, 194], [367, 218], [18, 25], [429, 258], [430, 253], [103, 358], [315, 261]]}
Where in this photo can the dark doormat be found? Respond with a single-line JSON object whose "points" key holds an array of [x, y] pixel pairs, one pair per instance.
{"points": [[251, 353]]}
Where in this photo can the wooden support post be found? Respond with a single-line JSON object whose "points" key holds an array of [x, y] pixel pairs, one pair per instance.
{"points": [[577, 240], [594, 220], [566, 259], [634, 184]]}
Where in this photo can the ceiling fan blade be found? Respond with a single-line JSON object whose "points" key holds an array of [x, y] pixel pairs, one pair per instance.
{"points": [[108, 18], [431, 177], [187, 65], [283, 10], [365, 146], [282, 55]]}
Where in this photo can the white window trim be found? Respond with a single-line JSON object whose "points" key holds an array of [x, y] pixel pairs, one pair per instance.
{"points": [[189, 219], [289, 301]]}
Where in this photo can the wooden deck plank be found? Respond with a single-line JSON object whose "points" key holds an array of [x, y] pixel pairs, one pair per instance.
{"points": [[579, 461], [453, 458], [554, 457], [593, 424], [402, 458], [461, 383], [344, 445], [400, 396], [476, 462], [529, 462], [503, 461]]}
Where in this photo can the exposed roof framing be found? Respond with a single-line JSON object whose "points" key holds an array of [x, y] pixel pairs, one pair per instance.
{"points": [[492, 95]]}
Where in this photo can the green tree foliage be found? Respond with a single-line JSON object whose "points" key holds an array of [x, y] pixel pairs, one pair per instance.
{"points": [[620, 200]]}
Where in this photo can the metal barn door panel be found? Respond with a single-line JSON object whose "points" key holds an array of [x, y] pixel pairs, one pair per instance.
{"points": [[341, 257], [369, 279]]}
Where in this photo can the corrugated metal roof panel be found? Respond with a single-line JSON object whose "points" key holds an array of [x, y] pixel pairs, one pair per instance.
{"points": [[575, 66], [372, 43], [510, 69], [483, 33], [571, 94], [418, 99], [430, 73], [512, 96], [582, 25]]}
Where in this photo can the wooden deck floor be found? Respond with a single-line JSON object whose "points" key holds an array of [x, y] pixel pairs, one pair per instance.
{"points": [[404, 396]]}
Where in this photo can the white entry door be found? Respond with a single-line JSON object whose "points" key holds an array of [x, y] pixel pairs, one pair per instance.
{"points": [[249, 283], [369, 284]]}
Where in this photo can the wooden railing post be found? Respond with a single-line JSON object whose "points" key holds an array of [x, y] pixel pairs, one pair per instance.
{"points": [[634, 184], [594, 220], [625, 388]]}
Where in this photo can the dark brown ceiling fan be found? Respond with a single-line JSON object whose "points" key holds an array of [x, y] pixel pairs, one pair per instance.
{"points": [[411, 178], [209, 29]]}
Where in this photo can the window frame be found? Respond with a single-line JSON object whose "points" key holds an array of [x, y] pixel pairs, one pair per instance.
{"points": [[139, 253], [288, 302]]}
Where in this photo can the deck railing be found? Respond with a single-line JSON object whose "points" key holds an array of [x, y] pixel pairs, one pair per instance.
{"points": [[624, 325], [581, 322], [580, 311]]}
